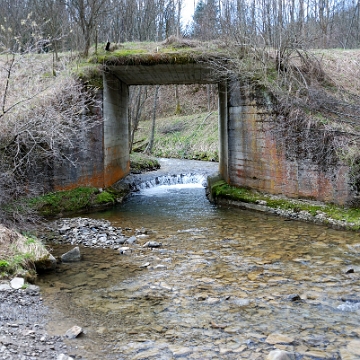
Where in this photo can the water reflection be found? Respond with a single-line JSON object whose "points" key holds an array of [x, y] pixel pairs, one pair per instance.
{"points": [[226, 284]]}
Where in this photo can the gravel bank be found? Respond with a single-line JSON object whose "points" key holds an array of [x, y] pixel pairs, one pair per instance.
{"points": [[22, 326]]}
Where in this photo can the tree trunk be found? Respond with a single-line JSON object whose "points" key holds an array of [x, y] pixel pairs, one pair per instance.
{"points": [[135, 118], [177, 100], [148, 149]]}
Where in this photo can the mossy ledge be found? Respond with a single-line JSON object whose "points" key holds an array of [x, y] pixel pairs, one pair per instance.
{"points": [[79, 200], [85, 199], [177, 52], [337, 217]]}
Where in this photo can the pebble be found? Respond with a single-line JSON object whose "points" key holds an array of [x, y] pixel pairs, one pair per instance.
{"points": [[279, 339], [17, 283], [89, 233], [280, 355], [152, 244], [74, 332], [125, 250], [22, 327]]}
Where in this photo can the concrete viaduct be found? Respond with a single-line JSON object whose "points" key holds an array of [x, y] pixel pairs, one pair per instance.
{"points": [[250, 152]]}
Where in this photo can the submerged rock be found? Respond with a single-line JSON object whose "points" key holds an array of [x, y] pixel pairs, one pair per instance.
{"points": [[46, 263], [293, 297], [152, 244], [72, 255], [280, 355], [64, 357], [279, 339]]}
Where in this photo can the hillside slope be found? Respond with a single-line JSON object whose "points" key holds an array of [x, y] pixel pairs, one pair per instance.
{"points": [[185, 137]]}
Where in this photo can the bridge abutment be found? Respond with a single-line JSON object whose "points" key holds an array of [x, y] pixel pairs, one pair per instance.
{"points": [[253, 152], [116, 129]]}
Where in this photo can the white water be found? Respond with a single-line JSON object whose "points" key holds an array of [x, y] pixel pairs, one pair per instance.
{"points": [[163, 190], [180, 181]]}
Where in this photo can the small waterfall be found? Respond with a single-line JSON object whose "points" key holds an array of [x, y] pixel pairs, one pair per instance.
{"points": [[171, 180]]}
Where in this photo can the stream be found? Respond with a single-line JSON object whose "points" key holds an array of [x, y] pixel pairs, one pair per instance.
{"points": [[225, 284]]}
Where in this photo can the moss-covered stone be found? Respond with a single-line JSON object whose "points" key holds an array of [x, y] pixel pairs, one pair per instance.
{"points": [[344, 217]]}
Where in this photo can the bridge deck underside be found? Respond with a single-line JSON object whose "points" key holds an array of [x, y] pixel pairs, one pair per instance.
{"points": [[164, 74]]}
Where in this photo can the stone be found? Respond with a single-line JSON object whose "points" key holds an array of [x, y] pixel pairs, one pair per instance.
{"points": [[120, 241], [5, 287], [17, 283], [354, 347], [102, 238], [74, 332], [254, 275], [131, 240], [293, 297], [71, 256], [64, 357], [280, 355], [279, 339], [178, 350], [152, 244], [144, 355], [125, 250], [64, 229], [347, 355], [47, 263]]}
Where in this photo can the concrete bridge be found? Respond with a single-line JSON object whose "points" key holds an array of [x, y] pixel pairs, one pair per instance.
{"points": [[251, 152]]}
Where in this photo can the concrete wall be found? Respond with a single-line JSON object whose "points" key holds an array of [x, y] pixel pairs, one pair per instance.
{"points": [[86, 167], [258, 157], [101, 156], [116, 130]]}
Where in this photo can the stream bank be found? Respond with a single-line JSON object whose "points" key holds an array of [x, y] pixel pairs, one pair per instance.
{"points": [[23, 318], [242, 286]]}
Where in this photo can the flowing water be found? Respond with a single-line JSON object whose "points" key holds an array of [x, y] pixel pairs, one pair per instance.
{"points": [[225, 284]]}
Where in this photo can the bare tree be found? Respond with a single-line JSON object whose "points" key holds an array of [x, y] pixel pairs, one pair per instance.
{"points": [[148, 149], [136, 106], [86, 13], [41, 117]]}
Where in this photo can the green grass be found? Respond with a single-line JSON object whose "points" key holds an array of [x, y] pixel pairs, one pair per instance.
{"points": [[140, 162], [4, 265], [183, 137]]}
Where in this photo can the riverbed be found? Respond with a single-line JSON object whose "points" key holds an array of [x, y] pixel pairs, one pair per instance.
{"points": [[225, 283]]}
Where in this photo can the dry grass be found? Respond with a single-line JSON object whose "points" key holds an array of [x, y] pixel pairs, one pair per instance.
{"points": [[13, 243], [18, 253], [343, 67]]}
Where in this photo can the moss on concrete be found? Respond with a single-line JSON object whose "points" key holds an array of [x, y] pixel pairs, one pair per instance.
{"points": [[157, 53], [81, 199], [349, 217], [90, 74]]}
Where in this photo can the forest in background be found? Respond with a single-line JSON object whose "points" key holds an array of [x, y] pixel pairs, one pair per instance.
{"points": [[285, 47], [75, 25]]}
